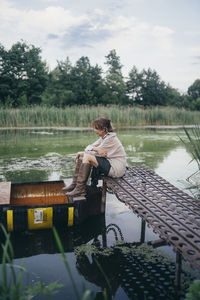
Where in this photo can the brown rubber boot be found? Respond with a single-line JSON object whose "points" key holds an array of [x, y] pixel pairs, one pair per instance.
{"points": [[80, 188], [74, 179]]}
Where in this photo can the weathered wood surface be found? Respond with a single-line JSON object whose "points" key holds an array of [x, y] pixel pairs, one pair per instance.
{"points": [[172, 213], [5, 188]]}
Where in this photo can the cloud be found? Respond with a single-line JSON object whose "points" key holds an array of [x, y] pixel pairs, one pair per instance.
{"points": [[84, 35], [80, 30], [195, 50], [35, 25], [52, 36], [92, 28], [163, 37], [197, 60], [50, 1]]}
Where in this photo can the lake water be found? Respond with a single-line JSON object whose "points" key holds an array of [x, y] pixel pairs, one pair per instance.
{"points": [[47, 154]]}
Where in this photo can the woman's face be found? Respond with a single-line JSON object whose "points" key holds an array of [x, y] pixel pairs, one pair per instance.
{"points": [[100, 132]]}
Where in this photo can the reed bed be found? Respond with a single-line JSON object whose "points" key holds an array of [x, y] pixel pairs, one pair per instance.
{"points": [[82, 116]]}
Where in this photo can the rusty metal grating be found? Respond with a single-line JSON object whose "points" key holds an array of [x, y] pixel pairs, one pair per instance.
{"points": [[146, 280], [172, 213]]}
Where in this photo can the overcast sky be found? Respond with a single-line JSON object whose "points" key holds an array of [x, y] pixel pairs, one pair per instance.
{"points": [[163, 35]]}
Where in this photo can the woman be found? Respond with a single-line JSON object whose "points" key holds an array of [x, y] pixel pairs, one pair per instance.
{"points": [[106, 156]]}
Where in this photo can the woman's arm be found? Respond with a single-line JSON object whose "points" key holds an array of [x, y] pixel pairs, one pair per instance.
{"points": [[100, 151], [78, 155], [95, 144]]}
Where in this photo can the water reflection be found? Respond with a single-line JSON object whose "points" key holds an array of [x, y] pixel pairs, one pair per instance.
{"points": [[136, 268], [29, 243]]}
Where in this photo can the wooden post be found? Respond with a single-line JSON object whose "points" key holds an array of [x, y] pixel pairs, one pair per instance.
{"points": [[103, 199], [177, 280], [142, 236]]}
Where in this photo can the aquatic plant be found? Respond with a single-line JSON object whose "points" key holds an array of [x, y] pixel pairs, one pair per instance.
{"points": [[82, 116], [87, 294], [133, 258], [11, 284], [193, 146], [194, 291], [193, 135]]}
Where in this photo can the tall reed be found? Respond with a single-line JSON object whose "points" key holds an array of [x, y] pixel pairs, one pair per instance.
{"points": [[82, 116], [193, 146], [193, 136], [11, 284]]}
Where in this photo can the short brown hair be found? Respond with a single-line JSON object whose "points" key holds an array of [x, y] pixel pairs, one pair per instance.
{"points": [[102, 124]]}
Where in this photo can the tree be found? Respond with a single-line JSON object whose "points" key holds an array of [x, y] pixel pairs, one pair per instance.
{"points": [[192, 98], [174, 98], [146, 88], [194, 89], [134, 85], [115, 85], [87, 82], [23, 75], [59, 89], [78, 84], [113, 63]]}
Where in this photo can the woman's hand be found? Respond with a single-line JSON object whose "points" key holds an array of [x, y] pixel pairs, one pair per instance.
{"points": [[100, 151], [78, 155]]}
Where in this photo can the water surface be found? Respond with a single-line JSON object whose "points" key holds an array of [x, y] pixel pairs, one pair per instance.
{"points": [[47, 154]]}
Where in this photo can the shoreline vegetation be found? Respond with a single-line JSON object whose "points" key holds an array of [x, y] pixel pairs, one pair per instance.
{"points": [[82, 116]]}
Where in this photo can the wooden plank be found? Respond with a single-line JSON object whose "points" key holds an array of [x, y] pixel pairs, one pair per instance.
{"points": [[5, 188]]}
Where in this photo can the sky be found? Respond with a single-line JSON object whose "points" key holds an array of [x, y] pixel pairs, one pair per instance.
{"points": [[163, 35]]}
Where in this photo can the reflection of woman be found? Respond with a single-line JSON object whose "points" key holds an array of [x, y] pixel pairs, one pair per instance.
{"points": [[106, 155]]}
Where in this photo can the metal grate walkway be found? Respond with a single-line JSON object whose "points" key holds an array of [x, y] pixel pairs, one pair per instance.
{"points": [[172, 213]]}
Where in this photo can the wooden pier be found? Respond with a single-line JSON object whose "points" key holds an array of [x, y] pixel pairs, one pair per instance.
{"points": [[173, 214]]}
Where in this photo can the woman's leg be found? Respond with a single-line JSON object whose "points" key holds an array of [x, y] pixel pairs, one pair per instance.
{"points": [[84, 172], [90, 159], [74, 178], [103, 168]]}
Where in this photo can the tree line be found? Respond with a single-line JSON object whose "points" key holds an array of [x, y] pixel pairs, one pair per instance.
{"points": [[26, 80]]}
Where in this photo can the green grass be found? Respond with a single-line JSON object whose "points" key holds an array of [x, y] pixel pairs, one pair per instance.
{"points": [[11, 284], [82, 116]]}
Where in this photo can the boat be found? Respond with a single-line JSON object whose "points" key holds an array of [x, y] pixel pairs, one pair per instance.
{"points": [[42, 205]]}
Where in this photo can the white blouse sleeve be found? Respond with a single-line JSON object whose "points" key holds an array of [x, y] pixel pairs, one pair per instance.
{"points": [[95, 144]]}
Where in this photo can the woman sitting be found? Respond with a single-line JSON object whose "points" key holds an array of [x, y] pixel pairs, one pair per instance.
{"points": [[106, 156]]}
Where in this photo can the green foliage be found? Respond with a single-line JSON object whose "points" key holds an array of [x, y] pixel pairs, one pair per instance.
{"points": [[60, 247], [113, 63], [72, 85], [87, 294], [194, 89], [25, 81], [11, 286], [194, 291], [193, 136], [115, 92], [23, 76], [83, 83], [147, 89]]}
